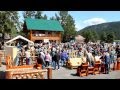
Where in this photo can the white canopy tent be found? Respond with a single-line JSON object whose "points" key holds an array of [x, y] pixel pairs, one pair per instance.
{"points": [[79, 38], [20, 37]]}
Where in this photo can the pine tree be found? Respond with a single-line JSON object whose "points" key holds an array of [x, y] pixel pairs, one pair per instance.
{"points": [[95, 36], [110, 37], [38, 15], [29, 14], [9, 22], [68, 25], [103, 37], [45, 17], [52, 18]]}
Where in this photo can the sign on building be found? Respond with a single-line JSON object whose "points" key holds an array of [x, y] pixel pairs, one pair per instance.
{"points": [[46, 40]]}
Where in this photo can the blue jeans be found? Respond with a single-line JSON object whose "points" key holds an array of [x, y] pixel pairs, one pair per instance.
{"points": [[56, 63], [63, 61]]}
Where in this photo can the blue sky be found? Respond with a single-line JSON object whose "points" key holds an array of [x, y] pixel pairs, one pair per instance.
{"points": [[87, 18]]}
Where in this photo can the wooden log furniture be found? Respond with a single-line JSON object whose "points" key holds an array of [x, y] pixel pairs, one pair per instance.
{"points": [[75, 62], [82, 70], [115, 66], [102, 68], [118, 64], [97, 67], [25, 71], [90, 70]]}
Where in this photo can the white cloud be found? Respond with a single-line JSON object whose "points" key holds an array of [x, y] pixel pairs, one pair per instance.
{"points": [[78, 27], [94, 21]]}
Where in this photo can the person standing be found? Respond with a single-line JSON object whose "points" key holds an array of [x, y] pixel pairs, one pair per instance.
{"points": [[47, 58], [27, 55], [56, 59], [118, 51], [64, 57], [112, 56], [40, 60], [107, 62], [90, 58]]}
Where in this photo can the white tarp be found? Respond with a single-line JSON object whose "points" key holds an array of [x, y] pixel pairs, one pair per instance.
{"points": [[20, 37]]}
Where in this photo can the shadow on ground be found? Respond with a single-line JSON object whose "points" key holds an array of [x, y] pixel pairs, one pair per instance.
{"points": [[73, 74]]}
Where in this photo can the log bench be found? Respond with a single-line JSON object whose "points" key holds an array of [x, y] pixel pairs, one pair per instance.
{"points": [[82, 70], [25, 73], [34, 71]]}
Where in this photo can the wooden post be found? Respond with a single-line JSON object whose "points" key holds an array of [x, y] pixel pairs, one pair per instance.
{"points": [[114, 66], [8, 75], [31, 35], [60, 37], [0, 58], [118, 64], [49, 73], [0, 61]]}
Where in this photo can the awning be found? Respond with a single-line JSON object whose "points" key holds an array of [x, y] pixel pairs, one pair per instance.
{"points": [[20, 37]]}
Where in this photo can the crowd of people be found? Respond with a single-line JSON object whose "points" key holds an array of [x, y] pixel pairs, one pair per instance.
{"points": [[57, 54]]}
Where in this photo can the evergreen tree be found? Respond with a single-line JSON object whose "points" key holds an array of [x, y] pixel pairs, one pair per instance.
{"points": [[103, 37], [95, 36], [38, 15], [52, 18], [45, 17], [87, 35], [68, 25], [110, 37], [30, 14], [69, 28], [9, 22]]}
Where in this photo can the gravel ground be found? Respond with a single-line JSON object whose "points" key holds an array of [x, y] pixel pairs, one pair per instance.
{"points": [[65, 73]]}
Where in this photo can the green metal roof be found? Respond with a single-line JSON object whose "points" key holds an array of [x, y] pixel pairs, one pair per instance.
{"points": [[41, 24]]}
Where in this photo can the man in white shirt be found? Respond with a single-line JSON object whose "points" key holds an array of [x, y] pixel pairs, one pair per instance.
{"points": [[90, 58], [27, 55]]}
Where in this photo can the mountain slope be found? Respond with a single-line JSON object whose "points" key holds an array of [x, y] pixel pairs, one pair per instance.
{"points": [[105, 27]]}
